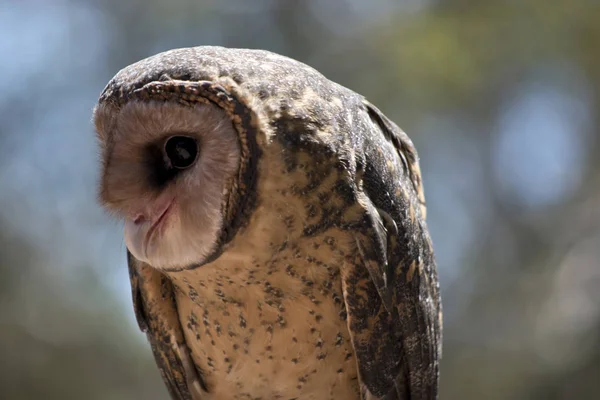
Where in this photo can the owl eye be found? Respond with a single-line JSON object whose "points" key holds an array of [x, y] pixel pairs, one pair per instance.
{"points": [[181, 151]]}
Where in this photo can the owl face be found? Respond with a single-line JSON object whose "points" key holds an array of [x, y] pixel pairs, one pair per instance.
{"points": [[167, 171]]}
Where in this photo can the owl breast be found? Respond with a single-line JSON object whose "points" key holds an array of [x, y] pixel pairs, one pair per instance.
{"points": [[270, 328]]}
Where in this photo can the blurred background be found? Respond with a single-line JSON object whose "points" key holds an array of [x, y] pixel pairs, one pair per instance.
{"points": [[500, 98]]}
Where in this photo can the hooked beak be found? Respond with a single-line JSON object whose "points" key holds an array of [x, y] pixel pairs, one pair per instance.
{"points": [[140, 228]]}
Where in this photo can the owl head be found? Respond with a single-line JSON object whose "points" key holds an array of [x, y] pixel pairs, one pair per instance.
{"points": [[168, 169]]}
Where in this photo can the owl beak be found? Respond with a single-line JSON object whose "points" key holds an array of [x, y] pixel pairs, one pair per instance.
{"points": [[141, 226]]}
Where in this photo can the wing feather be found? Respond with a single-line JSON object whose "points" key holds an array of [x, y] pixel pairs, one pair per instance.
{"points": [[156, 314], [390, 283]]}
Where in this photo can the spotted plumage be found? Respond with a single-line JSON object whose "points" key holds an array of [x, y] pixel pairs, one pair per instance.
{"points": [[320, 281]]}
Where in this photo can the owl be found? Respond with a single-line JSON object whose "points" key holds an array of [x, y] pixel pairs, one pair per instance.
{"points": [[275, 230]]}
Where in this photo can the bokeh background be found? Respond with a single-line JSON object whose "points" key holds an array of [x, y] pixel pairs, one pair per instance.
{"points": [[500, 98]]}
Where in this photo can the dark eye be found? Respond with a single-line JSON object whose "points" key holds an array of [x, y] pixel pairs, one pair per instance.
{"points": [[181, 151]]}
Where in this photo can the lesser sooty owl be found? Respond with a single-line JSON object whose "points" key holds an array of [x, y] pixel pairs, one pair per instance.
{"points": [[275, 228]]}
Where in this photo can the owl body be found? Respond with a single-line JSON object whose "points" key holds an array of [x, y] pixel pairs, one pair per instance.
{"points": [[291, 258]]}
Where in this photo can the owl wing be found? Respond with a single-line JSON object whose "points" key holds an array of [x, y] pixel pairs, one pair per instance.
{"points": [[156, 314], [390, 282]]}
